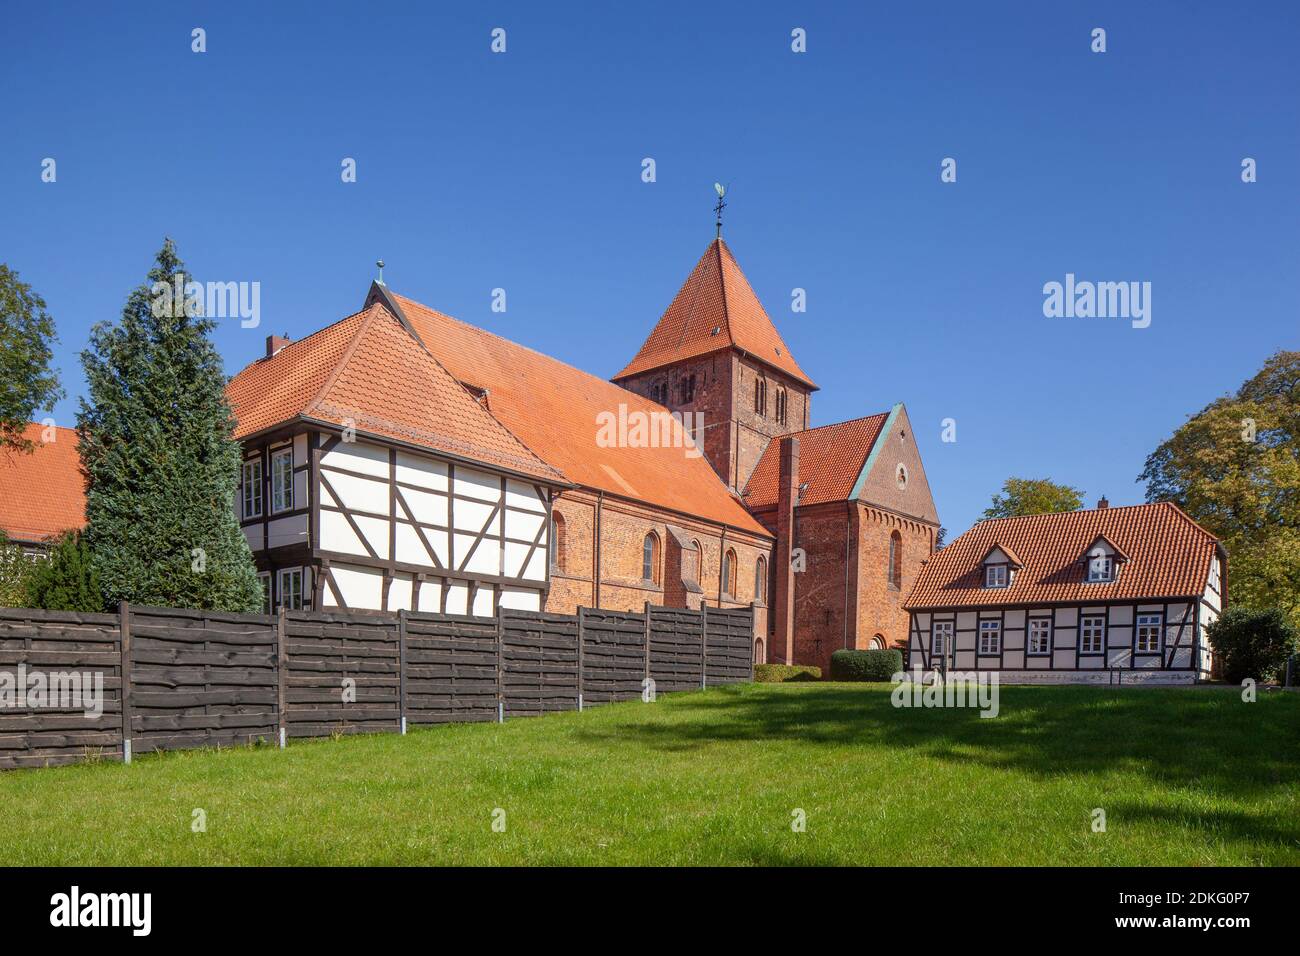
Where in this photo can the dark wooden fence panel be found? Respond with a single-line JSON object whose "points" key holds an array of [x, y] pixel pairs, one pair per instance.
{"points": [[613, 655], [205, 678], [63, 642], [539, 662], [730, 645], [327, 649], [676, 649], [451, 669], [201, 678]]}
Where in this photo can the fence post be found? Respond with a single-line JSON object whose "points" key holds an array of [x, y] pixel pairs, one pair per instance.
{"points": [[704, 644], [401, 670], [281, 675], [645, 686], [581, 638], [124, 630], [501, 690]]}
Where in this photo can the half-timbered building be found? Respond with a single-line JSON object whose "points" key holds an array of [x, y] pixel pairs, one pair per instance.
{"points": [[1110, 594]]}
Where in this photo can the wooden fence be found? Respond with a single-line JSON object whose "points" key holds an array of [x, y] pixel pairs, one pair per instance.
{"points": [[206, 678]]}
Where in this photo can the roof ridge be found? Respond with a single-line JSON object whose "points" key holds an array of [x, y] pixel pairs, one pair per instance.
{"points": [[1188, 518], [346, 357], [1081, 511], [817, 428], [719, 246]]}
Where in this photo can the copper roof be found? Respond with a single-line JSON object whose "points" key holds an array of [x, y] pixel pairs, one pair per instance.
{"points": [[42, 494], [715, 309], [1169, 556]]}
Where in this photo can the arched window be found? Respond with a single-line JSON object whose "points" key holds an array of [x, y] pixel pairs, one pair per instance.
{"points": [[758, 652], [760, 396], [780, 405], [696, 568], [729, 573], [650, 558], [760, 579], [878, 642], [557, 541], [895, 560]]}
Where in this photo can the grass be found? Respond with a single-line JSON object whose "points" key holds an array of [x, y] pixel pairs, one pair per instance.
{"points": [[1186, 776]]}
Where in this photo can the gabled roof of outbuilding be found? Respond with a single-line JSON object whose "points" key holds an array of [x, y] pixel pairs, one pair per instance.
{"points": [[1169, 556], [42, 493]]}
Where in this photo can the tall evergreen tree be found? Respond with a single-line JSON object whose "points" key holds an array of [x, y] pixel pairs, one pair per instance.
{"points": [[160, 463]]}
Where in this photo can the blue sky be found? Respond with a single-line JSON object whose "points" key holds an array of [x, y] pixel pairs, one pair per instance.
{"points": [[523, 171]]}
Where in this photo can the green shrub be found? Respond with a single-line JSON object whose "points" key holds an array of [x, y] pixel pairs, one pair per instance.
{"points": [[67, 580], [785, 673], [866, 665], [16, 569], [1254, 644]]}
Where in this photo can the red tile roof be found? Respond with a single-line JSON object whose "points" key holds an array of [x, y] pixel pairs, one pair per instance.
{"points": [[1169, 556], [830, 459], [369, 371], [42, 494], [553, 408], [716, 296]]}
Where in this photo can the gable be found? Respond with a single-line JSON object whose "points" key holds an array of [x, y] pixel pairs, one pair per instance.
{"points": [[896, 452]]}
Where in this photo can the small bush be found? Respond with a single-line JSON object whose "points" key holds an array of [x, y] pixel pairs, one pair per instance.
{"points": [[67, 580], [866, 665], [785, 673], [1252, 644]]}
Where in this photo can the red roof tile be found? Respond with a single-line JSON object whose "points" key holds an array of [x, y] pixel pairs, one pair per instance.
{"points": [[553, 409], [716, 296], [830, 459], [369, 371], [42, 494], [1169, 556]]}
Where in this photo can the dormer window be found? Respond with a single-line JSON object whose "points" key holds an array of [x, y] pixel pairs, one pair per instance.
{"points": [[1101, 567], [995, 575]]}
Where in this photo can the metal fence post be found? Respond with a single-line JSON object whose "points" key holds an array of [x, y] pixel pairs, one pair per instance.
{"points": [[124, 630], [401, 670], [581, 638], [501, 690], [282, 675], [645, 681], [704, 645]]}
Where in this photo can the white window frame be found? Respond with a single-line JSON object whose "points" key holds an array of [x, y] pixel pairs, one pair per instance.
{"points": [[1092, 627], [997, 576], [1215, 575], [1044, 632], [252, 489], [994, 629], [268, 602], [941, 637], [283, 591], [1106, 574], [1150, 625], [281, 491]]}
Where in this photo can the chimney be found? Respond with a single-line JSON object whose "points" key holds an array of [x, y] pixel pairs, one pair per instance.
{"points": [[1102, 502], [783, 600], [276, 342]]}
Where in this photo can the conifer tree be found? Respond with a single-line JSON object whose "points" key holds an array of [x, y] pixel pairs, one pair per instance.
{"points": [[65, 580], [160, 463]]}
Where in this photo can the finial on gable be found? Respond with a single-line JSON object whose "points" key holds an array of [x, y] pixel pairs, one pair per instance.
{"points": [[721, 190], [380, 263]]}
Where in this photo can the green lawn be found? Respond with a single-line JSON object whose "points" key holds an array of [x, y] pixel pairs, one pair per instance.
{"points": [[1186, 776]]}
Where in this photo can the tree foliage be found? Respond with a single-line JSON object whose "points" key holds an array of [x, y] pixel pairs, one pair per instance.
{"points": [[66, 580], [1254, 644], [1033, 496], [160, 462], [27, 382], [15, 570], [1235, 468]]}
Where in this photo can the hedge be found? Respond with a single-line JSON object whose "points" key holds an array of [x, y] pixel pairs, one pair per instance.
{"points": [[785, 673], [1251, 643], [876, 666]]}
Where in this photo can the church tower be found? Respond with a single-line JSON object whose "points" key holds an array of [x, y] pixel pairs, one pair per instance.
{"points": [[716, 352]]}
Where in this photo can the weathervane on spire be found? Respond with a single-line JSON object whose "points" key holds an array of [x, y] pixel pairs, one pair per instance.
{"points": [[721, 190], [380, 263]]}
